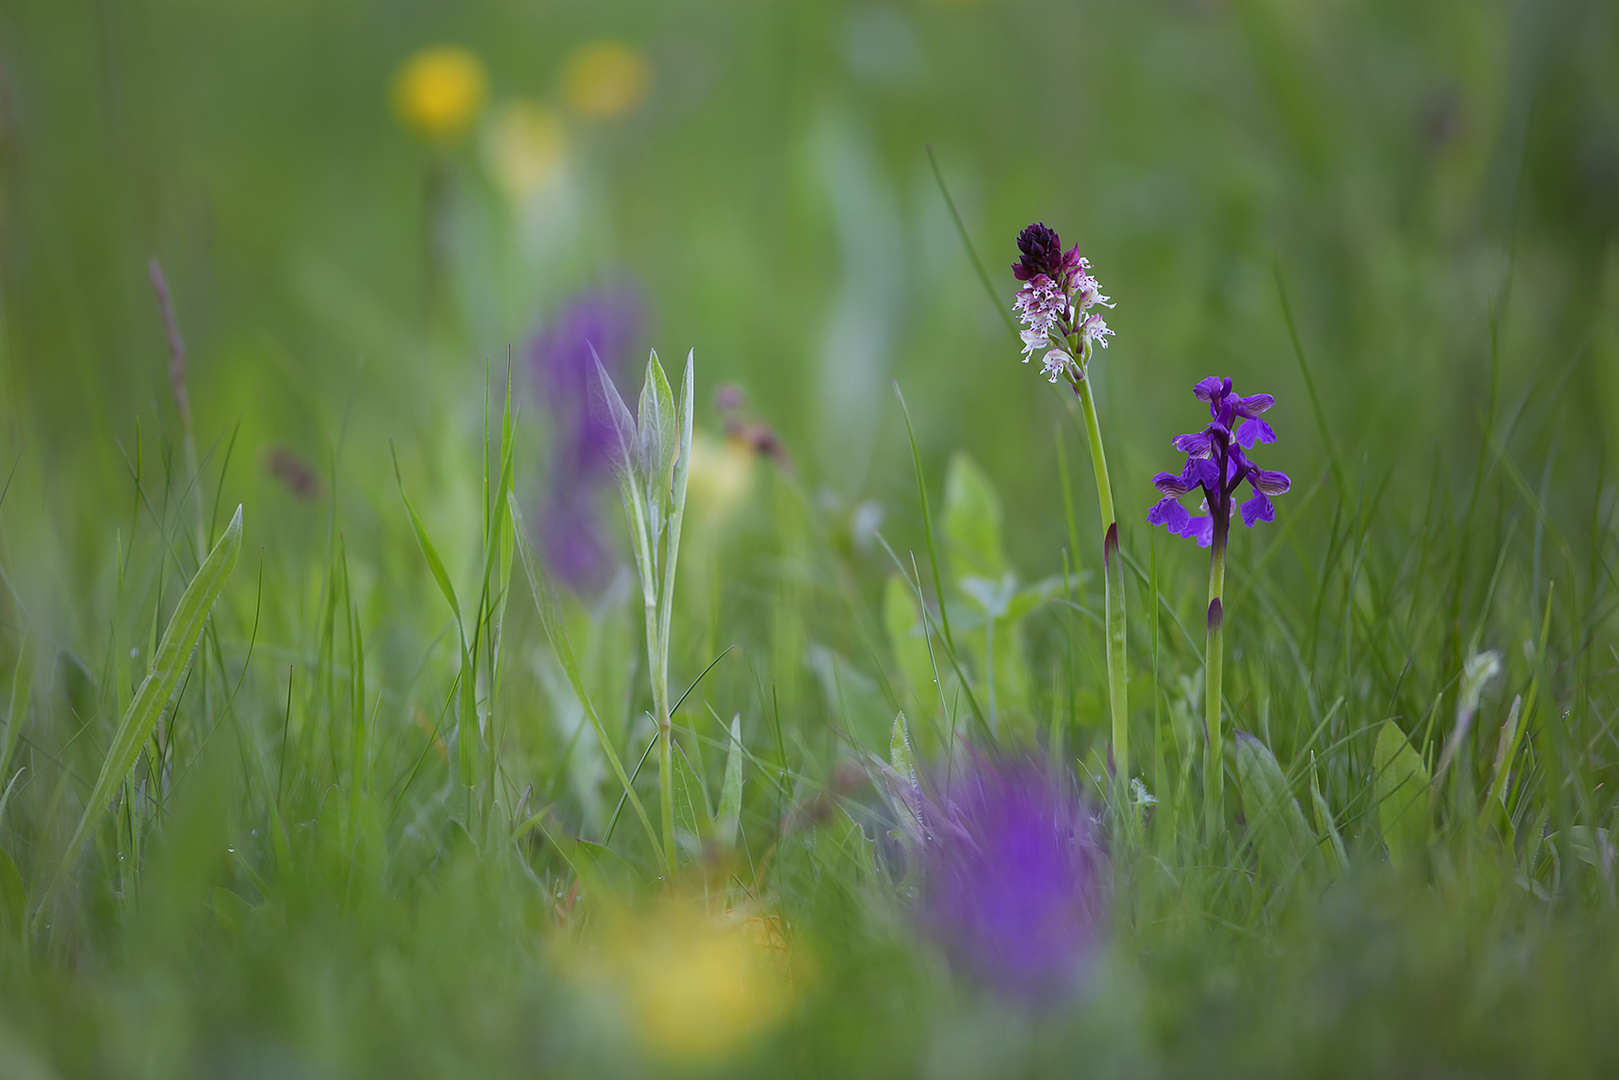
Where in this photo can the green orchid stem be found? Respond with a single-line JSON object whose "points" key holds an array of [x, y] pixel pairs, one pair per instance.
{"points": [[1112, 577], [1214, 764]]}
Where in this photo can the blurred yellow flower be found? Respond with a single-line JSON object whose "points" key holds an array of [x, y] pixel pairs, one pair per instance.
{"points": [[438, 91], [698, 988], [606, 78], [527, 147], [721, 474]]}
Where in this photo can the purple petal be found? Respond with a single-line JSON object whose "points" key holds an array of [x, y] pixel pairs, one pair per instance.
{"points": [[1170, 484], [1254, 405], [1258, 508], [1200, 529], [1170, 514], [1269, 481], [1254, 430], [1201, 471], [1207, 388], [1197, 444]]}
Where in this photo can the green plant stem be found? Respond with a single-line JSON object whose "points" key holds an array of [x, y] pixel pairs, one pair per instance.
{"points": [[657, 650], [1112, 579], [1214, 659]]}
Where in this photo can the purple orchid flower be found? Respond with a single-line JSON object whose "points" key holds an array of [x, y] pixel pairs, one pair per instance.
{"points": [[1217, 464], [1014, 877], [608, 321], [1055, 303]]}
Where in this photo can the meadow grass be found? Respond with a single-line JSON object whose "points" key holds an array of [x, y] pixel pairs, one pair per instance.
{"points": [[345, 782]]}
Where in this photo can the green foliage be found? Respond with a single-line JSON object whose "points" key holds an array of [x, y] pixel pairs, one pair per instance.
{"points": [[1400, 786]]}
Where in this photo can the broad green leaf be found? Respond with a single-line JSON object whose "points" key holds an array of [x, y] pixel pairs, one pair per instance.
{"points": [[545, 600], [972, 521], [903, 623], [1400, 785], [658, 438], [730, 815], [1280, 834], [168, 665]]}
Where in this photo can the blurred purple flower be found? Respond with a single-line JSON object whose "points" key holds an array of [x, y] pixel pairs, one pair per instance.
{"points": [[1216, 464], [1014, 877], [607, 320]]}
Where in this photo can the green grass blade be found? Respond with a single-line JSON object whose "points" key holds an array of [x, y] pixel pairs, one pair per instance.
{"points": [[429, 552], [967, 244], [169, 663]]}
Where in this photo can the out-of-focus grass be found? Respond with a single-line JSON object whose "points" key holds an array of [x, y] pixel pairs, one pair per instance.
{"points": [[1431, 185]]}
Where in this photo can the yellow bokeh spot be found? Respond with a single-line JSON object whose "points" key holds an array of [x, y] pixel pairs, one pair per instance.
{"points": [[527, 147], [439, 91], [698, 988], [721, 475], [606, 78]]}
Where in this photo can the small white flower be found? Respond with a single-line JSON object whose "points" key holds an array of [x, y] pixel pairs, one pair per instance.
{"points": [[1056, 364]]}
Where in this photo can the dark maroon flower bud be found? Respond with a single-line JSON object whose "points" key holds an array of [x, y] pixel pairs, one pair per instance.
{"points": [[1041, 249]]}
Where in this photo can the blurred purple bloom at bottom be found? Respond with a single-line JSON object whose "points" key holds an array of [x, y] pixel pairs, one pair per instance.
{"points": [[1015, 877]]}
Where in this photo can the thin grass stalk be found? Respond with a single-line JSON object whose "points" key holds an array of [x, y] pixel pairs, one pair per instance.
{"points": [[1112, 576]]}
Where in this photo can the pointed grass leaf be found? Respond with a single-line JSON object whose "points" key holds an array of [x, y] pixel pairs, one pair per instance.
{"points": [[169, 663], [972, 521], [1280, 834], [1323, 814], [545, 600], [1400, 785], [429, 552], [730, 815]]}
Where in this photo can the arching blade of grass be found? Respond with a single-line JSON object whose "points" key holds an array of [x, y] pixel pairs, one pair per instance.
{"points": [[168, 665], [545, 599], [22, 680]]}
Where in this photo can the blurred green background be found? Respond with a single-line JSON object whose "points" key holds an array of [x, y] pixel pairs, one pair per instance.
{"points": [[1406, 166]]}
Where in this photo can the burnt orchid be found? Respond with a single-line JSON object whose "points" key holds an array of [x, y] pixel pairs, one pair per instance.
{"points": [[1014, 877], [1056, 305], [1218, 467]]}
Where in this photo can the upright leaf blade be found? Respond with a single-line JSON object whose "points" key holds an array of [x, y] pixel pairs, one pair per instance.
{"points": [[22, 682], [730, 815], [1400, 785], [168, 665]]}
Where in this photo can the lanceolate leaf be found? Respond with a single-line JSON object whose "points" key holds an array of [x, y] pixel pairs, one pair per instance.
{"points": [[1280, 834], [1400, 784], [168, 665]]}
